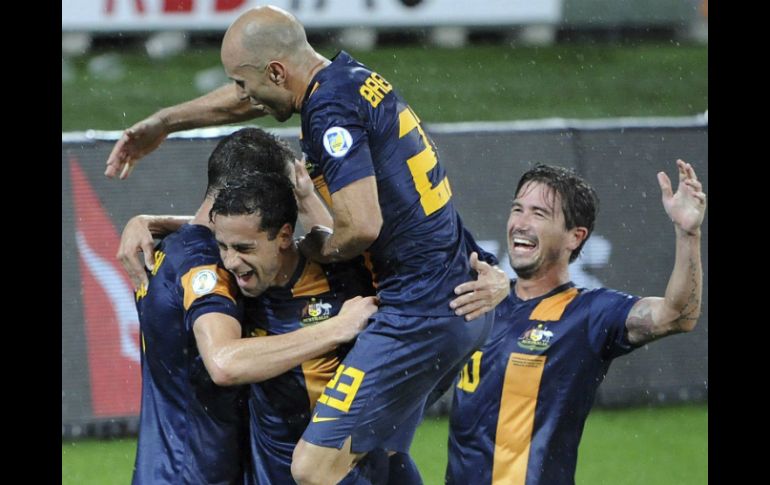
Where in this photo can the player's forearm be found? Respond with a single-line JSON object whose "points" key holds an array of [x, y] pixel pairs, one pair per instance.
{"points": [[685, 286], [161, 226], [256, 359], [218, 107], [345, 243]]}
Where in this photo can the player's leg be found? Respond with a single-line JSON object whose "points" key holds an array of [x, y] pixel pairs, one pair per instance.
{"points": [[380, 390], [320, 465]]}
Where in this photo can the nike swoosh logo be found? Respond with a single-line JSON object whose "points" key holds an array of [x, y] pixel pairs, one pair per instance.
{"points": [[316, 419]]}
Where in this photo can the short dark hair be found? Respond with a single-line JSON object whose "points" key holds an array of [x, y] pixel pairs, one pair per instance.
{"points": [[269, 195], [579, 201], [247, 150]]}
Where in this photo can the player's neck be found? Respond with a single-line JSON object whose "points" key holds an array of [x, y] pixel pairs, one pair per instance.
{"points": [[311, 65], [289, 261], [539, 284], [202, 215]]}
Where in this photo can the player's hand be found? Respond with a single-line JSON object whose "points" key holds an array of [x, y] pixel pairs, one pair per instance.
{"points": [[354, 316], [687, 206], [311, 243], [136, 238], [303, 184], [480, 296], [136, 142]]}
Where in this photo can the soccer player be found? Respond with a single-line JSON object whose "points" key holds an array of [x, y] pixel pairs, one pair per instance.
{"points": [[254, 222], [521, 402], [191, 429], [389, 195]]}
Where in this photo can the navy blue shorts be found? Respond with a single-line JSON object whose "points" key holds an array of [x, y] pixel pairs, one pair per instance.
{"points": [[380, 390]]}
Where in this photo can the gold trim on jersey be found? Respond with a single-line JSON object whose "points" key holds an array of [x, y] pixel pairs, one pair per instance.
{"points": [[323, 189], [552, 308], [224, 286], [312, 282], [317, 373], [315, 87], [517, 418]]}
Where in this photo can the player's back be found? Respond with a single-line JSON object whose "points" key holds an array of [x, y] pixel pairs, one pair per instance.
{"points": [[191, 430], [354, 125]]}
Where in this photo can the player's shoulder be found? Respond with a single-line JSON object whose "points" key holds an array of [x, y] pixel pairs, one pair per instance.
{"points": [[603, 296], [191, 245], [338, 85]]}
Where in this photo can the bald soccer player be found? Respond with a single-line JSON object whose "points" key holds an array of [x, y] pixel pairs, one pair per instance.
{"points": [[390, 196]]}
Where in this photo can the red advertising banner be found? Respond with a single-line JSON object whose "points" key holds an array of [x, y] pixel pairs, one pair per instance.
{"points": [[111, 321]]}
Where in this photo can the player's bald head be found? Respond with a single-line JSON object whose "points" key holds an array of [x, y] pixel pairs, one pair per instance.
{"points": [[262, 34]]}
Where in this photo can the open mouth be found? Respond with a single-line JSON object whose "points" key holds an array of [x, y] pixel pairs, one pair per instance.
{"points": [[244, 278], [524, 244]]}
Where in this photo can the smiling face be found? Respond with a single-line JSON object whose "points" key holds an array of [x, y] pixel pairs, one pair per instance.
{"points": [[249, 254], [538, 240], [261, 82]]}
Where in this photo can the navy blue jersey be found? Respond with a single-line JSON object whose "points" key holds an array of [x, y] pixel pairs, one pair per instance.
{"points": [[191, 430], [355, 125], [522, 400], [280, 408]]}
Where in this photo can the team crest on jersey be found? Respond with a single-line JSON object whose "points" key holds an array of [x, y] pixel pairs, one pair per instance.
{"points": [[316, 310], [337, 141], [537, 337], [204, 282]]}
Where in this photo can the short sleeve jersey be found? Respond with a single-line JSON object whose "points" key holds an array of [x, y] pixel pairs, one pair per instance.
{"points": [[191, 430], [355, 125], [521, 402]]}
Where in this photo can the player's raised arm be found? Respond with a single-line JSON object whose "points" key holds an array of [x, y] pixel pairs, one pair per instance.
{"points": [[678, 311], [221, 106]]}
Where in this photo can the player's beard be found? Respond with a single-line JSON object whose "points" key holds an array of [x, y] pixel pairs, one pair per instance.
{"points": [[529, 269]]}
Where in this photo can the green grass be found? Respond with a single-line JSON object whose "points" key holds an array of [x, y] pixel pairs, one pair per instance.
{"points": [[483, 82], [664, 446]]}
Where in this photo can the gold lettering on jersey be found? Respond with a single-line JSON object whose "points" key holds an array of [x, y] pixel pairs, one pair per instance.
{"points": [[374, 89], [141, 292], [160, 256], [343, 386], [431, 198], [470, 375]]}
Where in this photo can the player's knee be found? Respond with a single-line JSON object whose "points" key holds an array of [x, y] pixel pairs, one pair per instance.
{"points": [[304, 470]]}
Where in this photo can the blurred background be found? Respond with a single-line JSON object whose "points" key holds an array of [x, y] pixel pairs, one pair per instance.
{"points": [[617, 90]]}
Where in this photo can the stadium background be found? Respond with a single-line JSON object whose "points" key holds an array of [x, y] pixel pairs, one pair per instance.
{"points": [[631, 248]]}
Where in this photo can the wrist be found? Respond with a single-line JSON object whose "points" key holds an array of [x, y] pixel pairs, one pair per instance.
{"points": [[165, 120], [682, 233]]}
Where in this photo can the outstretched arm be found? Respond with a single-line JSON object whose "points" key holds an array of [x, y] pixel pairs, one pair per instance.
{"points": [[678, 311], [483, 294], [232, 360], [221, 106]]}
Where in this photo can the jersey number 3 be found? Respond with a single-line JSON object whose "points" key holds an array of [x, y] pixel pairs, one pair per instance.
{"points": [[432, 198]]}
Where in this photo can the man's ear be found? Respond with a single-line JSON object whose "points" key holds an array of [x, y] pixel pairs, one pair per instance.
{"points": [[286, 236], [577, 236], [276, 73]]}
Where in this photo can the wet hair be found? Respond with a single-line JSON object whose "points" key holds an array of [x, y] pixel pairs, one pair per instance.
{"points": [[247, 150], [268, 195], [579, 201]]}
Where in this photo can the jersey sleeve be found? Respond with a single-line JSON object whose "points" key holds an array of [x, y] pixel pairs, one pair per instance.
{"points": [[607, 333], [471, 245], [208, 288], [340, 141]]}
